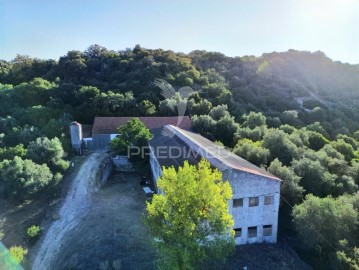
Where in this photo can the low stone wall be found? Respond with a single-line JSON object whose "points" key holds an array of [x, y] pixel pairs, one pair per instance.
{"points": [[105, 170], [122, 164]]}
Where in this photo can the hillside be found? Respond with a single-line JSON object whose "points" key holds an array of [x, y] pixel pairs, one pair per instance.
{"points": [[293, 113]]}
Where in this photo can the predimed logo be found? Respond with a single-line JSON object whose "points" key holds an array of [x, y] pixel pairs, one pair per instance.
{"points": [[177, 100]]}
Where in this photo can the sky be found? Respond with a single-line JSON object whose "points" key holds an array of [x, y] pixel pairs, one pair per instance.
{"points": [[50, 28]]}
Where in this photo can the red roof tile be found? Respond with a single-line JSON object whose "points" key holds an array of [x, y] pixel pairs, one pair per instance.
{"points": [[109, 125]]}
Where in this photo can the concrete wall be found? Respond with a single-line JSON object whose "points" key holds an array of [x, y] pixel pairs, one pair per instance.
{"points": [[102, 141], [155, 168], [245, 185]]}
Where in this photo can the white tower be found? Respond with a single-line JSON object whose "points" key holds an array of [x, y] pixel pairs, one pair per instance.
{"points": [[76, 136]]}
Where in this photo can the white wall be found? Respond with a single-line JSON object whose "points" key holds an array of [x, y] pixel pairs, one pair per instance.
{"points": [[155, 168], [246, 185]]}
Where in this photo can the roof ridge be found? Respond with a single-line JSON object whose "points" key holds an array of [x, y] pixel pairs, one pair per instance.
{"points": [[230, 164]]}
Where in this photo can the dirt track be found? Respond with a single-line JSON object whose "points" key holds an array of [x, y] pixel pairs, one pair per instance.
{"points": [[76, 205]]}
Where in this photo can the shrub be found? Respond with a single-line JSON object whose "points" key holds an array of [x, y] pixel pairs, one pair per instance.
{"points": [[18, 253], [33, 232]]}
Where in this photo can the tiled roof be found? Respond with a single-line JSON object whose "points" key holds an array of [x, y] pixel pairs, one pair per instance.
{"points": [[109, 125], [207, 148]]}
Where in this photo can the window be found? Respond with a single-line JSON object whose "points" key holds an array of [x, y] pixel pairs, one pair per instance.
{"points": [[268, 200], [252, 232], [237, 203], [267, 230], [238, 232], [253, 201]]}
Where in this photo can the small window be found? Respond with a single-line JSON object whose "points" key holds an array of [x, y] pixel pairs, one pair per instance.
{"points": [[252, 232], [268, 200], [267, 230], [253, 201], [238, 232], [237, 203]]}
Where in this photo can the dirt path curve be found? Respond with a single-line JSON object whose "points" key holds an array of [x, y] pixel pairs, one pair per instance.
{"points": [[75, 206]]}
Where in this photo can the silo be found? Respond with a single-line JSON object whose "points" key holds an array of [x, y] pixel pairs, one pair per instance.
{"points": [[76, 136]]}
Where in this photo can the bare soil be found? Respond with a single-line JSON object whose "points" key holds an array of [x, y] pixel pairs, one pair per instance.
{"points": [[89, 228], [112, 234]]}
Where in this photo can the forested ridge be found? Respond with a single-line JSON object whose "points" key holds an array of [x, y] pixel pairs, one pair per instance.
{"points": [[294, 113]]}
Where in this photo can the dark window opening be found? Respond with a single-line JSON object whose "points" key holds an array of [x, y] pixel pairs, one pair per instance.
{"points": [[268, 200], [238, 232], [253, 201], [252, 232], [267, 230], [237, 203]]}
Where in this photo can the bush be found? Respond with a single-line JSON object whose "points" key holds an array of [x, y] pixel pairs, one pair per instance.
{"points": [[33, 232], [18, 253]]}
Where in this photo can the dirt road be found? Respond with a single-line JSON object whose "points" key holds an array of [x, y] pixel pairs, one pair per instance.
{"points": [[75, 206]]}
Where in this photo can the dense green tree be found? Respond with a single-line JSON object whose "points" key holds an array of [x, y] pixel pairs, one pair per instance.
{"points": [[132, 134], [146, 108], [255, 134], [323, 222], [280, 146], [23, 179], [37, 92], [218, 112], [205, 125], [290, 117], [290, 190], [46, 151], [189, 219], [344, 148], [316, 140], [314, 177], [23, 135], [11, 152], [252, 151], [200, 108], [253, 120], [226, 127]]}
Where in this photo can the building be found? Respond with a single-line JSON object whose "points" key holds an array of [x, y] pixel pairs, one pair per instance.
{"points": [[256, 193], [76, 136], [104, 129]]}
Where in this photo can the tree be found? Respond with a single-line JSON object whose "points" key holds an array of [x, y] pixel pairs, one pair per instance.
{"points": [[323, 222], [290, 189], [254, 119], [189, 218], [314, 176], [252, 151], [132, 134], [37, 92], [11, 152], [146, 108], [280, 146], [50, 152], [344, 148], [218, 112], [205, 125], [23, 179], [226, 127]]}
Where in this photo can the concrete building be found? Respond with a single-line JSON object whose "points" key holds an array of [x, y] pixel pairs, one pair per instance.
{"points": [[256, 193]]}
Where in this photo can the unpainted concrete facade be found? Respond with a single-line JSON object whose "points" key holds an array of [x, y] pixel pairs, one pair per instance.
{"points": [[256, 197]]}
